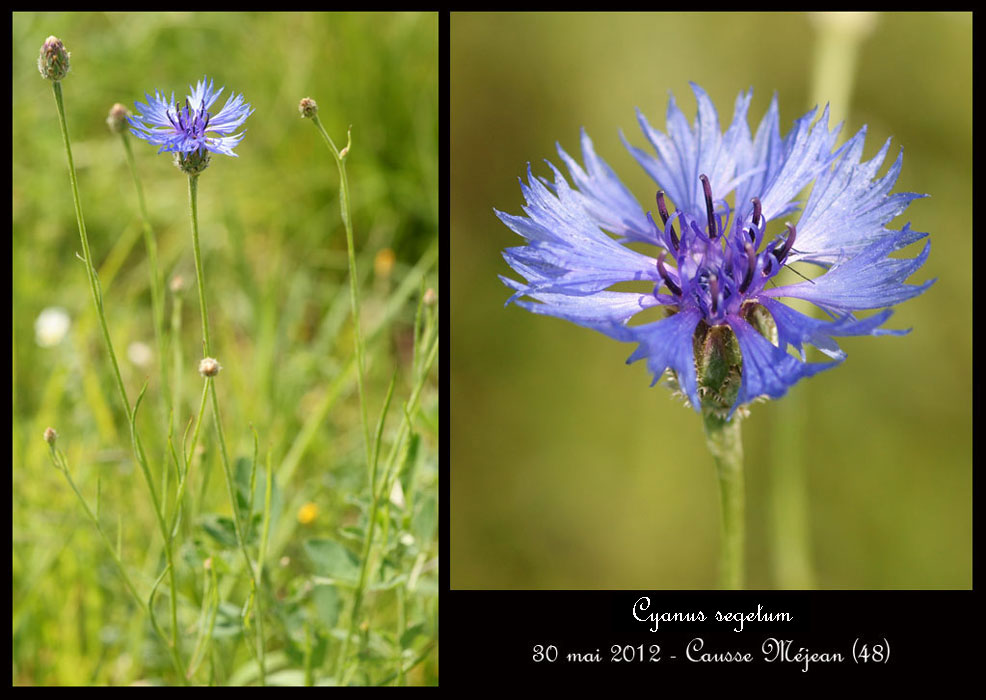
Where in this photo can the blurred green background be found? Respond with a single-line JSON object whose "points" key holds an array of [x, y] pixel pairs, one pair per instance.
{"points": [[275, 257], [567, 470]]}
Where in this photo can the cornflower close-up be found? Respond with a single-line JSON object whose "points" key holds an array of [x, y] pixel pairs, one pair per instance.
{"points": [[716, 264], [190, 129], [724, 335]]}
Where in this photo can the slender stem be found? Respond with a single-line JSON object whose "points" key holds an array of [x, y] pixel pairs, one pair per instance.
{"points": [[725, 444], [193, 202], [353, 279], [379, 496], [97, 298], [839, 37], [58, 458], [340, 158], [401, 628], [190, 455], [211, 386]]}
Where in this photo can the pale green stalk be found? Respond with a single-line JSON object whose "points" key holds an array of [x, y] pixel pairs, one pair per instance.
{"points": [[838, 40], [401, 627], [725, 444], [380, 495], [98, 302], [58, 459], [211, 386], [340, 157]]}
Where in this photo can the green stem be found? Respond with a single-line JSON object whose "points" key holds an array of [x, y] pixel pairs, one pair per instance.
{"points": [[839, 37], [193, 202], [97, 297], [211, 386], [58, 458], [98, 302], [379, 496], [340, 158], [353, 278], [725, 444]]}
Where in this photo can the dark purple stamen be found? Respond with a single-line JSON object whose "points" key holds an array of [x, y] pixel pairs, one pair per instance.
{"points": [[663, 211], [713, 232], [751, 264], [781, 253], [756, 211], [675, 289], [207, 118], [714, 291]]}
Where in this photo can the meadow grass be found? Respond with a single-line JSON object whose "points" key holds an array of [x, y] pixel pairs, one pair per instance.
{"points": [[316, 561]]}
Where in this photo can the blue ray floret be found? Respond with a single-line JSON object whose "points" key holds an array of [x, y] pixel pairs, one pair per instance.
{"points": [[715, 264], [190, 126]]}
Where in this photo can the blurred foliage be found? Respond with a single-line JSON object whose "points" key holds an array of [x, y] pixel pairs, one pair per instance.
{"points": [[275, 257], [569, 471]]}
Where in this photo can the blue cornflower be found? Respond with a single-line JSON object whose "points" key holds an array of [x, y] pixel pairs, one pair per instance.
{"points": [[190, 128], [714, 271]]}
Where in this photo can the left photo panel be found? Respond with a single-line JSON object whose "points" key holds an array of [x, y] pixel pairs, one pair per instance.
{"points": [[225, 337]]}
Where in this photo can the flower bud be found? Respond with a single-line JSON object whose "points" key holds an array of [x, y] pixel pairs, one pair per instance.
{"points": [[209, 367], [53, 61], [50, 435], [177, 284], [308, 108], [117, 120], [430, 297], [192, 163]]}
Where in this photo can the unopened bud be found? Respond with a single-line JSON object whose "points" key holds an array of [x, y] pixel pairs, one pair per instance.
{"points": [[308, 108], [53, 61], [192, 163], [430, 297], [50, 435], [177, 283], [209, 367], [117, 120]]}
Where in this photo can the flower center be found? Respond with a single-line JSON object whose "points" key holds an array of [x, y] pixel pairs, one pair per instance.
{"points": [[717, 269], [191, 122]]}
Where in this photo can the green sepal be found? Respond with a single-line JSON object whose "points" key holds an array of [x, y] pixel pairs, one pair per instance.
{"points": [[718, 365]]}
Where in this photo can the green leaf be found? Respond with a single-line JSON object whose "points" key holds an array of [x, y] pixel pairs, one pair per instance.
{"points": [[220, 528], [243, 470], [327, 605], [352, 532], [333, 560], [410, 459], [425, 519], [228, 623], [412, 633]]}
